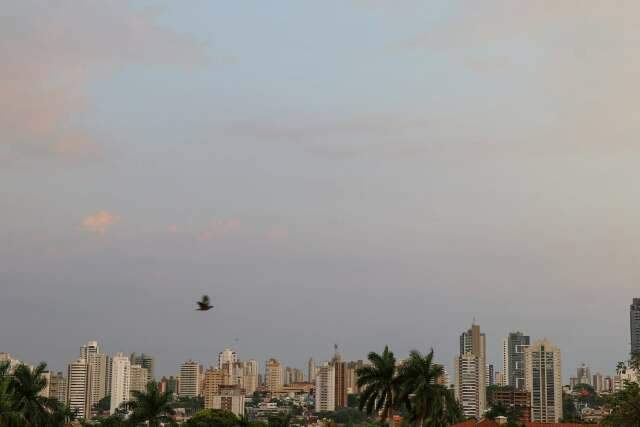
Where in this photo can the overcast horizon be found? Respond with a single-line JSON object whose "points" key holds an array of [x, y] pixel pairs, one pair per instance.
{"points": [[346, 171]]}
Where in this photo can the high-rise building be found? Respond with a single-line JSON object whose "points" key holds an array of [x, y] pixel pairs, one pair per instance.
{"points": [[100, 370], [226, 360], [543, 380], [514, 347], [511, 398], [608, 384], [468, 388], [352, 377], [583, 374], [46, 375], [79, 388], [250, 376], [146, 361], [213, 379], [58, 387], [598, 382], [490, 375], [89, 348], [340, 380], [500, 380], [311, 370], [120, 381], [139, 379], [169, 385], [634, 323], [325, 388], [273, 375], [470, 372], [229, 398], [189, 385]]}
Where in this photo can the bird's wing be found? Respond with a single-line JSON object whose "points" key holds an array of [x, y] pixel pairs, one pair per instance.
{"points": [[201, 306]]}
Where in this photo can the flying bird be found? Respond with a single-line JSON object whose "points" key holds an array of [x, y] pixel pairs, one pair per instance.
{"points": [[204, 305]]}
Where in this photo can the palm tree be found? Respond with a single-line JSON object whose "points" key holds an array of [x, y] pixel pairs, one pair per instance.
{"points": [[8, 415], [419, 392], [379, 384], [27, 386], [150, 406]]}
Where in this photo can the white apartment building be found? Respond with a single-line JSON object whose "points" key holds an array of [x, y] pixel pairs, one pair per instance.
{"points": [[326, 388], [120, 381]]}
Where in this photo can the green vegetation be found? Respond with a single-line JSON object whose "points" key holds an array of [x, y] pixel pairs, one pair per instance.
{"points": [[103, 405], [569, 411], [151, 406], [21, 403], [347, 416], [586, 394], [626, 407], [411, 387], [512, 413], [379, 384], [213, 418]]}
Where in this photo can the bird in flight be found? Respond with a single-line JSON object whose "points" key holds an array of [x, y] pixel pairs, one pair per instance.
{"points": [[204, 305]]}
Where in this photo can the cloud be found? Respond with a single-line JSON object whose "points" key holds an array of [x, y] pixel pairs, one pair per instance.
{"points": [[51, 51], [99, 222]]}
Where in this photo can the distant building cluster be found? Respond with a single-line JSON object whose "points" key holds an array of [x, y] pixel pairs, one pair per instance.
{"points": [[530, 379]]}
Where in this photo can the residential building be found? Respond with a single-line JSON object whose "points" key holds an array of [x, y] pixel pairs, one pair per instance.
{"points": [[226, 360], [598, 382], [120, 381], [634, 323], [500, 379], [583, 374], [91, 347], [100, 370], [511, 398], [543, 380], [189, 385], [79, 388], [608, 384], [230, 398], [490, 375], [214, 378], [250, 376], [351, 378], [514, 346], [325, 388], [340, 380], [169, 385], [311, 370], [139, 379], [58, 387], [273, 375], [146, 361], [468, 384], [13, 363], [46, 375], [470, 372]]}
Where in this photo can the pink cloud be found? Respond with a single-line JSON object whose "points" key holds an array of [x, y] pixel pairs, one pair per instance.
{"points": [[52, 52], [99, 222]]}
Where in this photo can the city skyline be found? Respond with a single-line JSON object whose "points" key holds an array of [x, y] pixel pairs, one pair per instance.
{"points": [[353, 172], [231, 354]]}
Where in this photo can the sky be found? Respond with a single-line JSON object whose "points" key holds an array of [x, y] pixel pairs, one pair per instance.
{"points": [[358, 172]]}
